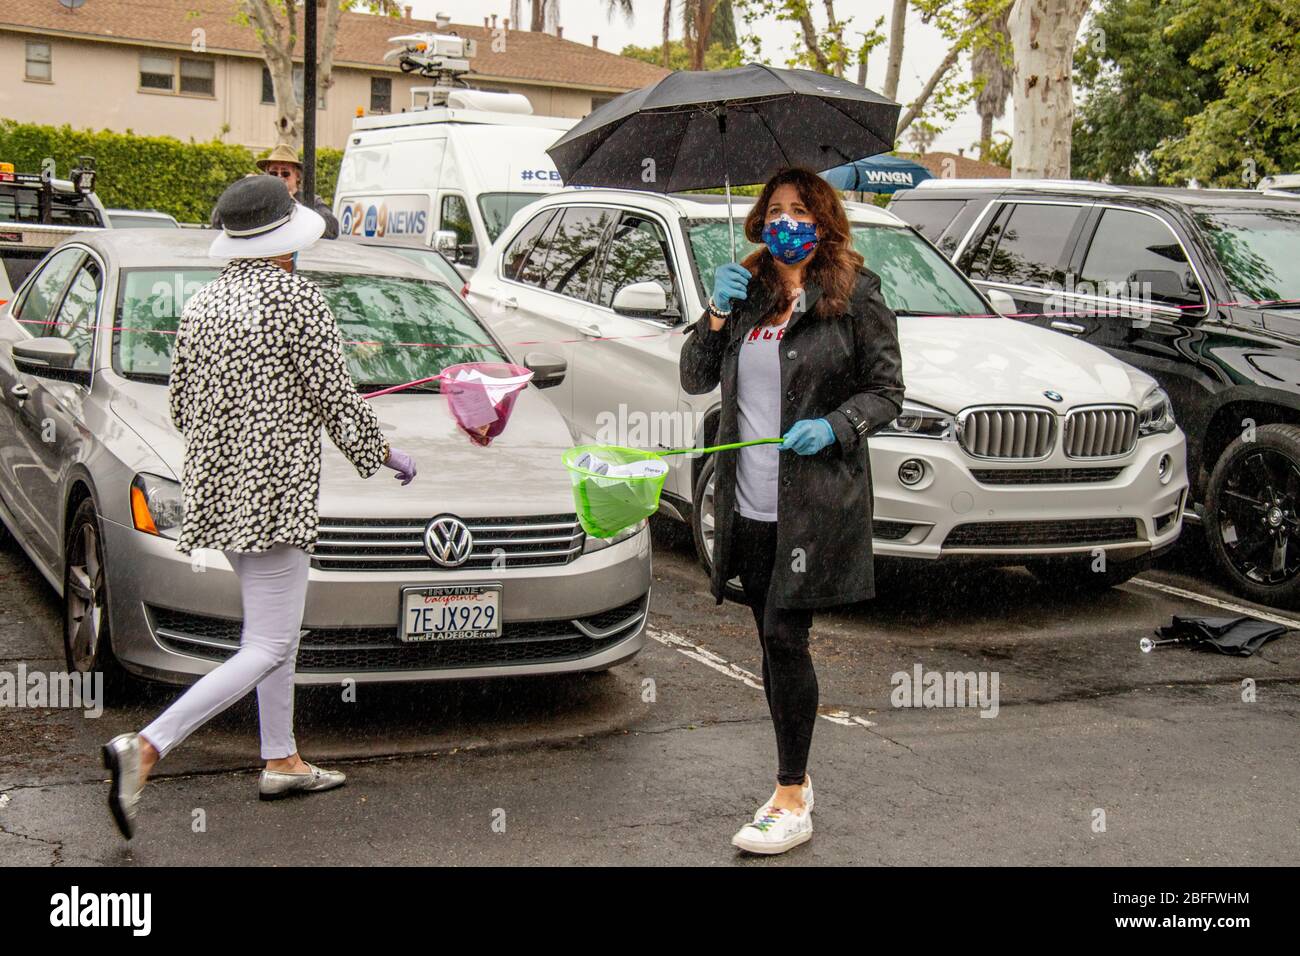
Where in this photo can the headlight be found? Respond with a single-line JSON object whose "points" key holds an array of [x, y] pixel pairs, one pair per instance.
{"points": [[156, 505], [1156, 414], [920, 421], [596, 544]]}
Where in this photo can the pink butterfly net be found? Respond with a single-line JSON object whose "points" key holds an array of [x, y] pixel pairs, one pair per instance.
{"points": [[481, 395]]}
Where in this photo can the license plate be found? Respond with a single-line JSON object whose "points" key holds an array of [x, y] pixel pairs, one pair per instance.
{"points": [[452, 613]]}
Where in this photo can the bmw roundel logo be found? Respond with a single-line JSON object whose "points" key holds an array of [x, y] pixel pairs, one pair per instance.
{"points": [[1054, 396]]}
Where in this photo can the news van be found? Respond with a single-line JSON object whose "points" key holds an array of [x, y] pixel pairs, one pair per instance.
{"points": [[452, 170]]}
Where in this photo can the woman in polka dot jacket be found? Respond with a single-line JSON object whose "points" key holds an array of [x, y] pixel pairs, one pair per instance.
{"points": [[257, 371]]}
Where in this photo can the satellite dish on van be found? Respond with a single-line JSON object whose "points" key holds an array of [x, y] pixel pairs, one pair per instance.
{"points": [[72, 4]]}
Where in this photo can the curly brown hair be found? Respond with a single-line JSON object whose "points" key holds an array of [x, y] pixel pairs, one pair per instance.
{"points": [[833, 265]]}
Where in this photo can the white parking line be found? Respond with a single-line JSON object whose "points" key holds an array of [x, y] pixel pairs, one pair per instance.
{"points": [[736, 672], [1216, 602]]}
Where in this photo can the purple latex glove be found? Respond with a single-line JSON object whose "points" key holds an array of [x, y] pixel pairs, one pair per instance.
{"points": [[403, 464]]}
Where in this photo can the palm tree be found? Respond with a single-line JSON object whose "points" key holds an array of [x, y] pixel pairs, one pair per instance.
{"points": [[704, 22], [992, 72]]}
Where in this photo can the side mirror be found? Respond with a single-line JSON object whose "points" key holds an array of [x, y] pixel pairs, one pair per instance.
{"points": [[1002, 302], [50, 357], [444, 240], [548, 370], [641, 300], [1165, 285]]}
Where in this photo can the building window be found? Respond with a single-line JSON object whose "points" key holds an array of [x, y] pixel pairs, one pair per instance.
{"points": [[157, 72], [198, 77], [38, 61], [381, 94], [268, 90]]}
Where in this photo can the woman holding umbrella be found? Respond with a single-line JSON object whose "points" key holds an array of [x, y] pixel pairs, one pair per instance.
{"points": [[803, 346]]}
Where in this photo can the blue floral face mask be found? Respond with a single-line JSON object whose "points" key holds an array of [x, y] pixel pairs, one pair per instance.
{"points": [[788, 240]]}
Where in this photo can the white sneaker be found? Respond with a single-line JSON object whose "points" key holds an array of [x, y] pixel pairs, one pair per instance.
{"points": [[807, 797], [775, 831]]}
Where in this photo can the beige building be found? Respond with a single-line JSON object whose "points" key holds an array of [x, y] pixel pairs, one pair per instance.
{"points": [[186, 68]]}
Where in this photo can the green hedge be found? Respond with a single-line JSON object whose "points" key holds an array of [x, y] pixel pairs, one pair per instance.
{"points": [[146, 172]]}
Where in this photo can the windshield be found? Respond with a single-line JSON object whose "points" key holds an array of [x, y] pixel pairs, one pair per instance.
{"points": [[127, 221], [499, 208], [1257, 251], [914, 278], [395, 330], [430, 260]]}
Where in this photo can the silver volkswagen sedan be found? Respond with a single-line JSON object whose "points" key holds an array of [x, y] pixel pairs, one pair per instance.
{"points": [[90, 463]]}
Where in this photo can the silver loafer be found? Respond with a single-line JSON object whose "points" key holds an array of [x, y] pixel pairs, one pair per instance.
{"points": [[274, 784], [122, 760]]}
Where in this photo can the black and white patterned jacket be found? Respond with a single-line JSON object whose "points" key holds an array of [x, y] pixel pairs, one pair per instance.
{"points": [[257, 369]]}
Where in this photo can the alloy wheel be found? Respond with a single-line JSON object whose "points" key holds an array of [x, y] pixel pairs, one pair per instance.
{"points": [[1259, 517]]}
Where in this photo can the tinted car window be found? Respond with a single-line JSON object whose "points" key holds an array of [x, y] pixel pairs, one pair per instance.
{"points": [[75, 320], [1128, 242], [638, 252], [1030, 244], [1258, 252], [23, 204], [38, 302], [930, 216], [573, 247], [524, 257]]}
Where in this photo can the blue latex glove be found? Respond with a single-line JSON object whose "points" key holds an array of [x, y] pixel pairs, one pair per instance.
{"points": [[808, 437], [730, 283], [403, 464]]}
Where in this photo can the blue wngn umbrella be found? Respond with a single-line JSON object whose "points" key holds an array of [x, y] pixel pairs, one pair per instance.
{"points": [[878, 174]]}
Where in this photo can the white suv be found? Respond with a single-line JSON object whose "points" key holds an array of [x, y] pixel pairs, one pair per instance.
{"points": [[1015, 444]]}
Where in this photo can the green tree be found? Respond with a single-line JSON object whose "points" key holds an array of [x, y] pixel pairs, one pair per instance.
{"points": [[1250, 126], [1138, 89], [717, 57]]}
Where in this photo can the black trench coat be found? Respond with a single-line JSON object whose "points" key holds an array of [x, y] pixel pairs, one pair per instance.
{"points": [[844, 368]]}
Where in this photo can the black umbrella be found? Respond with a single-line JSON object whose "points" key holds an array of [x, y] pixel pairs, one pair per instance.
{"points": [[1240, 636], [693, 130]]}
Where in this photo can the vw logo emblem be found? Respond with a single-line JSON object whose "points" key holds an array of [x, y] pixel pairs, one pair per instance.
{"points": [[1054, 396], [448, 541]]}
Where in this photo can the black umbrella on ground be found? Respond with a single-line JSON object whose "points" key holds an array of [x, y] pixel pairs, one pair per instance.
{"points": [[694, 130], [1239, 636]]}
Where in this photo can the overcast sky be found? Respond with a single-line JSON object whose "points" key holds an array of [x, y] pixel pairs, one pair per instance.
{"points": [[923, 50]]}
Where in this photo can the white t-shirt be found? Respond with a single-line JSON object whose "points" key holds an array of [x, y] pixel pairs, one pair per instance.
{"points": [[758, 391]]}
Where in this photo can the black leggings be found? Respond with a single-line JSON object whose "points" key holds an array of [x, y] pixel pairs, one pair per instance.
{"points": [[789, 680]]}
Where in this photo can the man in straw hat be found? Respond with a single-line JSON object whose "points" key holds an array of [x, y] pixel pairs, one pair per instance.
{"points": [[282, 163], [257, 371]]}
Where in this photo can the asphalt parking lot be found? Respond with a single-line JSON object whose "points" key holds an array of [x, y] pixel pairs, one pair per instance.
{"points": [[1098, 754]]}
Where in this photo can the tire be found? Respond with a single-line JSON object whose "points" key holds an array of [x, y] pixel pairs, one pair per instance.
{"points": [[1076, 573], [702, 528], [1252, 515], [87, 643]]}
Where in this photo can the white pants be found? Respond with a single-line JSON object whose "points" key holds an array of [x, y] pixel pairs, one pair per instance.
{"points": [[273, 585]]}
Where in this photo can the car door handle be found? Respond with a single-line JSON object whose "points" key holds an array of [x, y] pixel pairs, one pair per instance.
{"points": [[1074, 328], [508, 303], [20, 392], [591, 330]]}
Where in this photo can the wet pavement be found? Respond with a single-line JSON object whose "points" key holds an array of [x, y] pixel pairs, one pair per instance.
{"points": [[1097, 754]]}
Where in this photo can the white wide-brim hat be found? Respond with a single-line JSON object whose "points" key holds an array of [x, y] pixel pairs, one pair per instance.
{"points": [[299, 230]]}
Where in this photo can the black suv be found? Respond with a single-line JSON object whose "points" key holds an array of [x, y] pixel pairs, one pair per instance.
{"points": [[1201, 289]]}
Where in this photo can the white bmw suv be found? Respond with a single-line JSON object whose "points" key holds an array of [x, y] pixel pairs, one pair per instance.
{"points": [[1015, 444]]}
